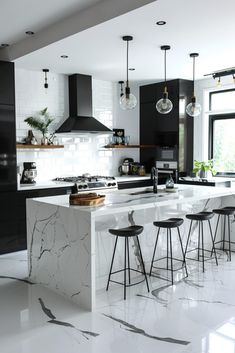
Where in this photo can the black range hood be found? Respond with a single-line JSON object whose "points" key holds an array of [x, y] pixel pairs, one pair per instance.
{"points": [[80, 118]]}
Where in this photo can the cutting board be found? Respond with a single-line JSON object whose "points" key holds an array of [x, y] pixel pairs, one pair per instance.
{"points": [[86, 199]]}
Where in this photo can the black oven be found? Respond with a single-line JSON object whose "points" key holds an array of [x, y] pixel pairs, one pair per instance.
{"points": [[166, 153]]}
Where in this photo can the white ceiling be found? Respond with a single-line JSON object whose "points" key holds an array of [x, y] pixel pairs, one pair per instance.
{"points": [[16, 17], [206, 27]]}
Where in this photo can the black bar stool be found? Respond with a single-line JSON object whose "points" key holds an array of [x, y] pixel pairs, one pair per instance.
{"points": [[224, 212], [132, 231], [201, 217], [169, 224]]}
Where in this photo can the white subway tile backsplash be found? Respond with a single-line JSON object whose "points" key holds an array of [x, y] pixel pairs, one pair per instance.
{"points": [[81, 154]]}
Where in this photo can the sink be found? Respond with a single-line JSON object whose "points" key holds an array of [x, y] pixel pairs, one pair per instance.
{"points": [[160, 193], [142, 192]]}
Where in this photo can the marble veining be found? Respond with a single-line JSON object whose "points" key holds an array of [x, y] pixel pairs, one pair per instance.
{"points": [[53, 320], [132, 328], [199, 316]]}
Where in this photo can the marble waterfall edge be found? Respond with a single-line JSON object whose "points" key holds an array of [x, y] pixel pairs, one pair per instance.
{"points": [[60, 254]]}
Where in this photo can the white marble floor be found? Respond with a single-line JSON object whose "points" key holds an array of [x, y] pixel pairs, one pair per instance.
{"points": [[196, 315]]}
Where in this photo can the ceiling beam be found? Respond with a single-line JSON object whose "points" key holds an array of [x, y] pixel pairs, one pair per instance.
{"points": [[80, 21]]}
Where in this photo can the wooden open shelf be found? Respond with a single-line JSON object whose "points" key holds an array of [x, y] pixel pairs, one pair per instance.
{"points": [[130, 146], [33, 147]]}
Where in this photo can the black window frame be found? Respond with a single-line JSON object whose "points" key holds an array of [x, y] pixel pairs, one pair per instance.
{"points": [[212, 119]]}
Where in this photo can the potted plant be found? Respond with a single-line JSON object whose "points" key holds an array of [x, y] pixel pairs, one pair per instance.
{"points": [[41, 123], [201, 168]]}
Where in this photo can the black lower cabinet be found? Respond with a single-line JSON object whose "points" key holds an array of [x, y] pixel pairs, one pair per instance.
{"points": [[13, 217]]}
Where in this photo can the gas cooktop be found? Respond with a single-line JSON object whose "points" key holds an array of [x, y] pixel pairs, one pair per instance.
{"points": [[88, 182]]}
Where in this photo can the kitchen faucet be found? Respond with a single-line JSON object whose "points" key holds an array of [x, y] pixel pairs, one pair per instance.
{"points": [[154, 177]]}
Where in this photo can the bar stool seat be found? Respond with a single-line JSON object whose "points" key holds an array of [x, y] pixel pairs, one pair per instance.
{"points": [[224, 212], [169, 223], [201, 217], [126, 233]]}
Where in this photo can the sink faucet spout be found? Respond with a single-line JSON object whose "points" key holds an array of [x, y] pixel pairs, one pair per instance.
{"points": [[154, 177]]}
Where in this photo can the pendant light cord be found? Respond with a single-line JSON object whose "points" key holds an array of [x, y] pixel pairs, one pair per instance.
{"points": [[127, 63], [165, 65], [193, 74]]}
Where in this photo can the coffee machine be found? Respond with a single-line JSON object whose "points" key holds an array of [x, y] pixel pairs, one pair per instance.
{"points": [[29, 173]]}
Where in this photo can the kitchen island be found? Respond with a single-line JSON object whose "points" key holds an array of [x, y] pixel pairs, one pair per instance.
{"points": [[69, 247]]}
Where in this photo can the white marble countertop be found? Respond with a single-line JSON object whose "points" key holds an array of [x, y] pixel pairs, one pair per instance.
{"points": [[210, 180], [136, 198], [44, 185], [125, 178]]}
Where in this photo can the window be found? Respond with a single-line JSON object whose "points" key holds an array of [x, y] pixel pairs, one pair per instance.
{"points": [[222, 129], [222, 132], [222, 100]]}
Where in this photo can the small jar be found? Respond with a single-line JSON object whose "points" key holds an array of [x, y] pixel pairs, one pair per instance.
{"points": [[141, 170]]}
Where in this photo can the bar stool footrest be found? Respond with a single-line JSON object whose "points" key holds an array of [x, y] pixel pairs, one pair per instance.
{"points": [[127, 285]]}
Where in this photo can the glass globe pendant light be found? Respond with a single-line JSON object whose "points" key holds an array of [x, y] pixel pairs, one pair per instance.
{"points": [[164, 105], [127, 101], [193, 108]]}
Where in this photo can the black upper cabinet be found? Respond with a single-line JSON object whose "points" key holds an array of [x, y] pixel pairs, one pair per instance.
{"points": [[7, 83], [175, 128]]}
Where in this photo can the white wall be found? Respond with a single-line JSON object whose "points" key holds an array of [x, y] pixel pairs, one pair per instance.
{"points": [[82, 153]]}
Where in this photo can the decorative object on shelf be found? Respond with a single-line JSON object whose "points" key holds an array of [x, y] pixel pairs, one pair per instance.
{"points": [[126, 140], [45, 78], [121, 83], [41, 123], [221, 73], [164, 105], [53, 140], [30, 139], [193, 109], [202, 168], [127, 101], [119, 136]]}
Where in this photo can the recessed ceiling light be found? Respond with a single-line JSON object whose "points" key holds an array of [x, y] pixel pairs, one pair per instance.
{"points": [[4, 45], [29, 33], [64, 56], [160, 23], [131, 69]]}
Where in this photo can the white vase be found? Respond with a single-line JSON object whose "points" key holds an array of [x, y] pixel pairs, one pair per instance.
{"points": [[44, 140]]}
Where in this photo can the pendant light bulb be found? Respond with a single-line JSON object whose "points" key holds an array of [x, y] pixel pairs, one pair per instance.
{"points": [[193, 109], [127, 101], [164, 105]]}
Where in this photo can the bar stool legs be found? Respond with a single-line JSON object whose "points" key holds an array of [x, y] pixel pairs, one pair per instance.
{"points": [[126, 233], [169, 224], [224, 214], [201, 217]]}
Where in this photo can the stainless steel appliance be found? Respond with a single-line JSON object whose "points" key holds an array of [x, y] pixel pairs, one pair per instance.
{"points": [[29, 173], [165, 168], [86, 182], [125, 167]]}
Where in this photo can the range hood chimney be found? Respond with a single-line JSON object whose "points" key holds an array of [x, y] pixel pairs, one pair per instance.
{"points": [[80, 118]]}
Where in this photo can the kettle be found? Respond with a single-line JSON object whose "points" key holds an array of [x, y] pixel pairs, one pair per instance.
{"points": [[125, 167]]}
